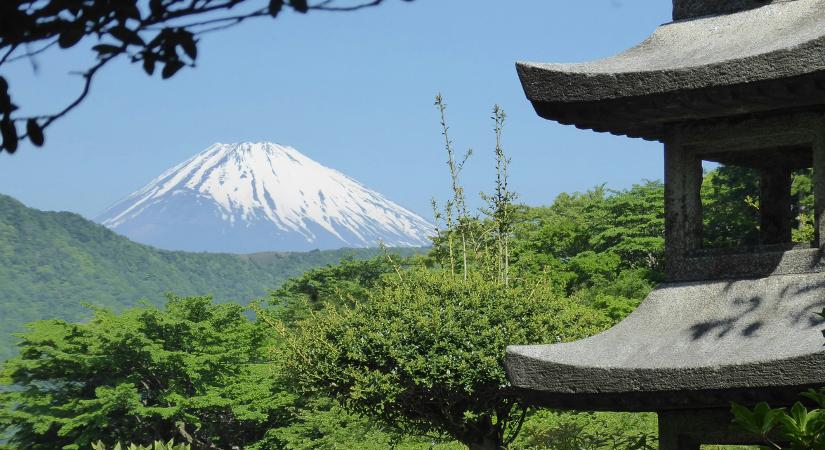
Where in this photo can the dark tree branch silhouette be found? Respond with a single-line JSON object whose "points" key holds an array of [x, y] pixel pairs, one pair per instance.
{"points": [[157, 34]]}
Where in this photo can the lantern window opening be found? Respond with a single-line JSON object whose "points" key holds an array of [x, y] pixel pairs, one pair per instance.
{"points": [[757, 200]]}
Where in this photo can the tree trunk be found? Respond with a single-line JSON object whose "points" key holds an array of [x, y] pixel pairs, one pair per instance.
{"points": [[486, 443]]}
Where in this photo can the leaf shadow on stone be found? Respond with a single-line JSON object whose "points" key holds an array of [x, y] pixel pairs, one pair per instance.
{"points": [[752, 314], [808, 312], [722, 327]]}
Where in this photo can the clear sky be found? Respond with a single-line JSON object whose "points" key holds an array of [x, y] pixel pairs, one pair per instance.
{"points": [[353, 91]]}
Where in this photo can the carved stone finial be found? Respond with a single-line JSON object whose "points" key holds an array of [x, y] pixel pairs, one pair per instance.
{"points": [[686, 9]]}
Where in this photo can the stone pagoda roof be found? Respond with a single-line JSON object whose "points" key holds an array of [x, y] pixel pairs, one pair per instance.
{"points": [[766, 58], [688, 344]]}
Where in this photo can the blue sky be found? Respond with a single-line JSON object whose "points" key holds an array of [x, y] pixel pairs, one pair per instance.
{"points": [[353, 91]]}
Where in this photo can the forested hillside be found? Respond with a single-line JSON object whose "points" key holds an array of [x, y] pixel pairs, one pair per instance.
{"points": [[53, 262]]}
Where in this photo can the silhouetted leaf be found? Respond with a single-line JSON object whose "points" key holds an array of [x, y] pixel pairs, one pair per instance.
{"points": [[156, 7], [70, 37], [126, 35], [35, 132], [104, 49], [299, 5], [275, 7], [170, 68], [9, 132], [5, 100], [149, 64], [129, 10], [187, 42]]}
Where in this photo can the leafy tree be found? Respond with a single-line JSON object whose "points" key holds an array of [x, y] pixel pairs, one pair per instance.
{"points": [[425, 353], [195, 371], [624, 227], [158, 34]]}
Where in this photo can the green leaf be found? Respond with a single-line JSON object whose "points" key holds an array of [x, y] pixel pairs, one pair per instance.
{"points": [[170, 69], [745, 418], [761, 420], [817, 395], [35, 132]]}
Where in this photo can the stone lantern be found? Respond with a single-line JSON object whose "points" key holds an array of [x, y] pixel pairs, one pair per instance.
{"points": [[738, 82]]}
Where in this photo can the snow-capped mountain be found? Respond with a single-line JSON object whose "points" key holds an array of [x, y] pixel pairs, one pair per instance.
{"points": [[252, 197]]}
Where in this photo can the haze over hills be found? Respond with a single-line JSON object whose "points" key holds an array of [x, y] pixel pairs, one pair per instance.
{"points": [[52, 262], [251, 197]]}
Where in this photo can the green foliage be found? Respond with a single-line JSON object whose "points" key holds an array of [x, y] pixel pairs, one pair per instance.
{"points": [[194, 370], [730, 203], [593, 236], [796, 429], [425, 353], [730, 207], [53, 262], [341, 285], [157, 445], [550, 430], [323, 424]]}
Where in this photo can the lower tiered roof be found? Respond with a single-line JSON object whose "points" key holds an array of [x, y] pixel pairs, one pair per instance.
{"points": [[695, 344]]}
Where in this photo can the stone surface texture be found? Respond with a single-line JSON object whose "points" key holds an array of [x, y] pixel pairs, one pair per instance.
{"points": [[702, 337], [687, 9], [779, 40]]}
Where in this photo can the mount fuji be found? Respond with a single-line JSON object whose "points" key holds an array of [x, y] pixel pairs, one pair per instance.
{"points": [[252, 197]]}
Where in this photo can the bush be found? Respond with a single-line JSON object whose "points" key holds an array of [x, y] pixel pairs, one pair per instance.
{"points": [[425, 353], [551, 430], [157, 445]]}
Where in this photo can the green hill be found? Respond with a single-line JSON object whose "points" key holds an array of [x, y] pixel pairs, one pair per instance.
{"points": [[51, 263]]}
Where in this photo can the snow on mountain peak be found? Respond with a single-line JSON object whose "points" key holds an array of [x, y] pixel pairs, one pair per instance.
{"points": [[258, 196]]}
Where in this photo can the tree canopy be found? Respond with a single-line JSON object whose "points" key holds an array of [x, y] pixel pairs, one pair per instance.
{"points": [[194, 371]]}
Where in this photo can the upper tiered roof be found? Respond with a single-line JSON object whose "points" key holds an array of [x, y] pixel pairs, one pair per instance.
{"points": [[755, 60]]}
